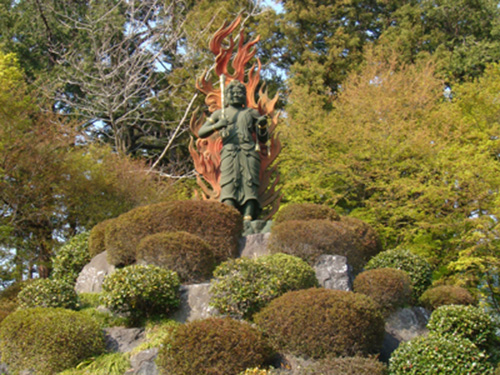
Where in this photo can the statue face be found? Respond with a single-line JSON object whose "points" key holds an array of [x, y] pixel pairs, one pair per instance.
{"points": [[236, 94]]}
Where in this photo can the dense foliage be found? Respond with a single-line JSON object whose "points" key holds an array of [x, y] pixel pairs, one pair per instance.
{"points": [[446, 295], [241, 287], [48, 293], [345, 366], [389, 287], [71, 258], [213, 346], [190, 256], [416, 267], [48, 340], [439, 355], [305, 211], [216, 223], [320, 322], [469, 322], [312, 238], [141, 291]]}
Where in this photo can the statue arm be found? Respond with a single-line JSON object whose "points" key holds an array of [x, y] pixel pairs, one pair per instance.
{"points": [[260, 123], [213, 123]]}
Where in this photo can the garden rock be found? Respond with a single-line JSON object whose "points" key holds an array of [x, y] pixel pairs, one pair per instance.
{"points": [[91, 277], [194, 303], [143, 363], [254, 245], [333, 272], [256, 226], [403, 325], [123, 340]]}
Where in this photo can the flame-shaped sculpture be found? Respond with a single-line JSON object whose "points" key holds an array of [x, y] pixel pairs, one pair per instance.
{"points": [[206, 155]]}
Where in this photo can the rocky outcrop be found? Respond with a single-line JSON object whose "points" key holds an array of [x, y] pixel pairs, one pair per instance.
{"points": [[194, 303], [403, 325], [254, 245], [121, 339], [333, 272], [143, 363], [92, 276]]}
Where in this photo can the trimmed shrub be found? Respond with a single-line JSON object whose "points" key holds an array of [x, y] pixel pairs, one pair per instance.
{"points": [[446, 295], [141, 291], [320, 322], [71, 258], [305, 211], [187, 254], [310, 239], [365, 234], [418, 268], [345, 366], [243, 286], [8, 298], [48, 340], [218, 224], [439, 355], [256, 371], [469, 322], [48, 293], [389, 287], [97, 238], [213, 346]]}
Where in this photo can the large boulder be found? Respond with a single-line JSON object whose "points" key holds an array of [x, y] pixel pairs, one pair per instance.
{"points": [[333, 272], [401, 326], [143, 363], [92, 275], [194, 304]]}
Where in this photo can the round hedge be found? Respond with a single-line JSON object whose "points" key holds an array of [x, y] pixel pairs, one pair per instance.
{"points": [[345, 366], [368, 238], [97, 238], [48, 340], [141, 291], [243, 286], [187, 254], [310, 239], [305, 211], [8, 298], [389, 287], [446, 295], [48, 293], [320, 322], [218, 224], [418, 268], [213, 346], [469, 322], [439, 355], [71, 258]]}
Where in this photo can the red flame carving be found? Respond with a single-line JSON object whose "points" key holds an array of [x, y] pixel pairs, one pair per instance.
{"points": [[206, 155]]}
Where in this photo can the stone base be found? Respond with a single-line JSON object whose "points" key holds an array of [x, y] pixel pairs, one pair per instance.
{"points": [[256, 227]]}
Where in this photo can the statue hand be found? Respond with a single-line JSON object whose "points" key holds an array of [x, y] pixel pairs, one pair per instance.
{"points": [[262, 121]]}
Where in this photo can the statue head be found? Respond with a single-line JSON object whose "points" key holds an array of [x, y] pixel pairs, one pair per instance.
{"points": [[236, 93]]}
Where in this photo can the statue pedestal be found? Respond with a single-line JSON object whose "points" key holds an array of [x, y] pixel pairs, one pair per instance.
{"points": [[256, 227]]}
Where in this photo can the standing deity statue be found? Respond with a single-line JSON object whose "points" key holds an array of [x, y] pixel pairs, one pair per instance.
{"points": [[237, 143], [240, 158]]}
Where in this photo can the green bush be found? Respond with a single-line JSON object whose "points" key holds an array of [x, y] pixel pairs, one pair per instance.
{"points": [[71, 258], [141, 291], [187, 254], [469, 322], [216, 223], [310, 239], [213, 346], [48, 293], [8, 298], [439, 355], [305, 211], [320, 322], [105, 364], [243, 286], [48, 340], [345, 366], [97, 238], [418, 268], [389, 287], [368, 239], [446, 295]]}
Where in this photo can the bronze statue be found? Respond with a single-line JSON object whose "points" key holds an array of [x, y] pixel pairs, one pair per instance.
{"points": [[240, 155], [237, 144]]}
